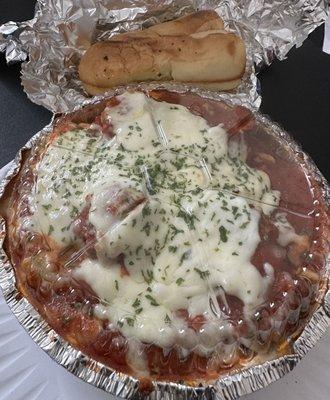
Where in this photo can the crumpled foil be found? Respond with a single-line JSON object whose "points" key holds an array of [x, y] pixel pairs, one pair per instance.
{"points": [[227, 387], [54, 40]]}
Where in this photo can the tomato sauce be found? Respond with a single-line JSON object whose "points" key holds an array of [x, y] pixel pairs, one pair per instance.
{"points": [[67, 304]]}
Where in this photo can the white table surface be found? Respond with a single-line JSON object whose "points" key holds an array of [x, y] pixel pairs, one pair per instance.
{"points": [[28, 373]]}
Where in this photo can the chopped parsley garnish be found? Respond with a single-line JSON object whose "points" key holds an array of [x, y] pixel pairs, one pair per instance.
{"points": [[244, 225], [203, 274], [188, 218], [167, 319], [146, 211], [172, 249], [175, 231], [138, 249], [148, 276], [130, 321], [184, 256], [179, 281], [136, 303], [152, 300], [223, 234], [146, 228], [74, 212]]}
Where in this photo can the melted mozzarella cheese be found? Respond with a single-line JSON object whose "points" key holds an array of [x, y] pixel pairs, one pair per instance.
{"points": [[286, 231], [188, 243], [62, 185]]}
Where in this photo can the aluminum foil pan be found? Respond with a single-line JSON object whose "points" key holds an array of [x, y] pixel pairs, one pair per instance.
{"points": [[54, 40], [228, 387]]}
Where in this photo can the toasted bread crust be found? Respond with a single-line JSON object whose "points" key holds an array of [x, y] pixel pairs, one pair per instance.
{"points": [[200, 21], [189, 50]]}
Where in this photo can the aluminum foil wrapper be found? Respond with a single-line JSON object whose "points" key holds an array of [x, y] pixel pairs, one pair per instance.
{"points": [[229, 387], [54, 40]]}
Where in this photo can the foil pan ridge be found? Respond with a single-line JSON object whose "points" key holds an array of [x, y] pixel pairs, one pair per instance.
{"points": [[228, 387], [54, 40]]}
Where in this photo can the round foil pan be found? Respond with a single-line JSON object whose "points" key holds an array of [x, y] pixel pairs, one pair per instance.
{"points": [[227, 387]]}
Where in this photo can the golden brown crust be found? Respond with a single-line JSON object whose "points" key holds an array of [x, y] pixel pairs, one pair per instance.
{"points": [[212, 58], [190, 50]]}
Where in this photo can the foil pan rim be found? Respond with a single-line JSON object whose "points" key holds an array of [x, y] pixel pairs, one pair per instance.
{"points": [[228, 387]]}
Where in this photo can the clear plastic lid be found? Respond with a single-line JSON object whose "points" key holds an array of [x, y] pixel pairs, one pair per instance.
{"points": [[185, 236]]}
